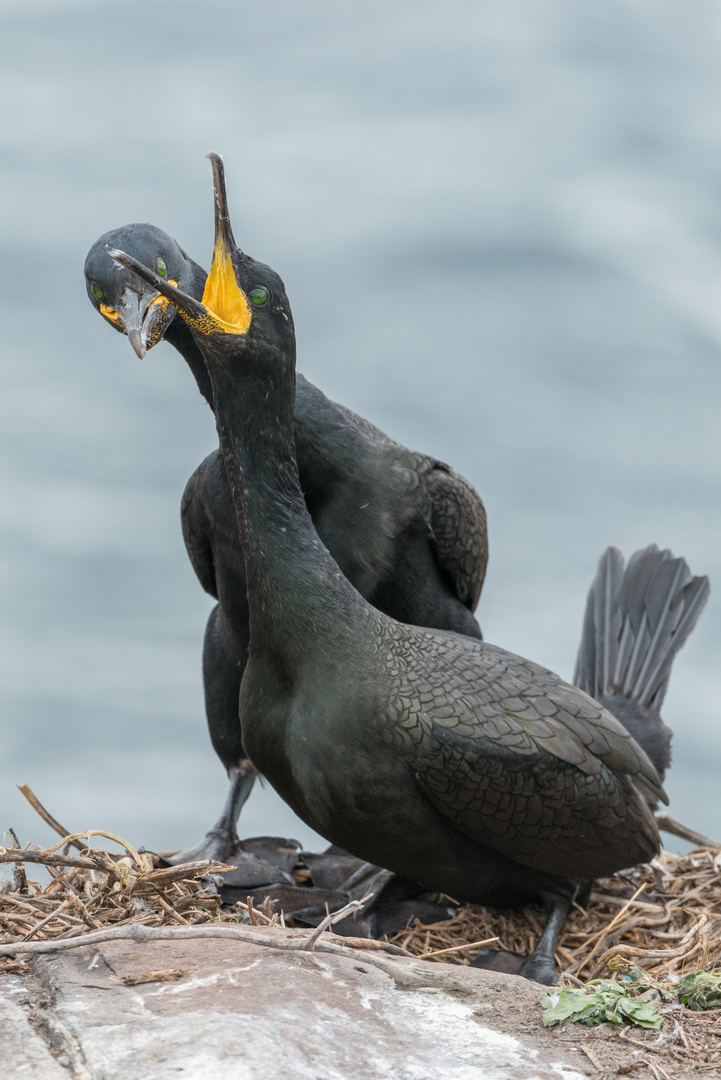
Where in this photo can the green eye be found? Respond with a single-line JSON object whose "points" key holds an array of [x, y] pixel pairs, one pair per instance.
{"points": [[259, 297], [97, 291], [162, 268]]}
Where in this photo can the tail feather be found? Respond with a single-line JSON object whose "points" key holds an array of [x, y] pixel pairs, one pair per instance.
{"points": [[602, 623], [636, 621], [691, 602], [662, 610]]}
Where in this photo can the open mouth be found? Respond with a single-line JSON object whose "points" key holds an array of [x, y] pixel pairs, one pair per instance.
{"points": [[225, 308], [223, 297]]}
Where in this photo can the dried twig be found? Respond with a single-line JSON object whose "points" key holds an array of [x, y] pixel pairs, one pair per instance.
{"points": [[458, 948], [404, 976], [331, 919], [167, 975], [250, 909], [48, 918], [46, 815], [668, 824], [35, 855]]}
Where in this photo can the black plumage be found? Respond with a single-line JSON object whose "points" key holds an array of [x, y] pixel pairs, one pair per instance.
{"points": [[637, 618], [446, 759], [405, 529]]}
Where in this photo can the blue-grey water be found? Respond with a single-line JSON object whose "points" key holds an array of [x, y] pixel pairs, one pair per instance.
{"points": [[500, 229]]}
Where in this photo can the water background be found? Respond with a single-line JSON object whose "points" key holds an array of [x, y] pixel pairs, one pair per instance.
{"points": [[499, 225]]}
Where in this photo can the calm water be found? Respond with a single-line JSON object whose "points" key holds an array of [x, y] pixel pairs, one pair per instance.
{"points": [[500, 229]]}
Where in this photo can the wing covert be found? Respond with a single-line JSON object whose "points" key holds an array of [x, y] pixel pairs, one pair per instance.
{"points": [[460, 531], [528, 762]]}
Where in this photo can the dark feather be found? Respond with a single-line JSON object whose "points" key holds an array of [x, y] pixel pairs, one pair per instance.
{"points": [[636, 621]]}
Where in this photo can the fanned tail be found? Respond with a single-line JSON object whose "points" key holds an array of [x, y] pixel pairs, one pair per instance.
{"points": [[636, 620]]}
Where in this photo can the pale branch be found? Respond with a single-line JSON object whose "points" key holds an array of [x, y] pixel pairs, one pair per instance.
{"points": [[405, 977], [331, 919], [22, 855], [669, 825]]}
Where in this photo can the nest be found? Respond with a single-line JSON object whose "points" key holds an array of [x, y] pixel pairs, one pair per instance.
{"points": [[99, 890], [666, 915]]}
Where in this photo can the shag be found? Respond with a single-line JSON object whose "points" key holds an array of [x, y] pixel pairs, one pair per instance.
{"points": [[405, 529], [446, 759]]}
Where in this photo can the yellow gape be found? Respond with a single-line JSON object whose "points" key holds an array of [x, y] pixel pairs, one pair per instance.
{"points": [[112, 315], [226, 302]]}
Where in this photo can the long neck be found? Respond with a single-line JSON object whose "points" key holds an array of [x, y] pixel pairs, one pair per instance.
{"points": [[299, 602], [179, 336]]}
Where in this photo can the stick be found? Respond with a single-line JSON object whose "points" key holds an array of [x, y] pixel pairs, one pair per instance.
{"points": [[639, 953], [48, 918], [669, 825], [591, 1057], [46, 815], [259, 918], [171, 910], [169, 874], [28, 855], [459, 948], [405, 977], [354, 905], [602, 934], [108, 836], [618, 901]]}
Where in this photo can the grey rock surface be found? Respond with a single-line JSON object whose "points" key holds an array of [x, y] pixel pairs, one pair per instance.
{"points": [[23, 1054], [252, 1013]]}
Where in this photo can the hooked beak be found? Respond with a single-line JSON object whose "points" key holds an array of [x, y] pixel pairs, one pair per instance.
{"points": [[144, 316], [146, 319], [133, 312]]}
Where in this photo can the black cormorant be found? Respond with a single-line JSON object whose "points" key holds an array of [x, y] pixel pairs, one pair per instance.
{"points": [[444, 758], [406, 530]]}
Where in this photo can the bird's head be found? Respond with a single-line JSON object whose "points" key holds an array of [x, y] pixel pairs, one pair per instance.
{"points": [[131, 305], [244, 311]]}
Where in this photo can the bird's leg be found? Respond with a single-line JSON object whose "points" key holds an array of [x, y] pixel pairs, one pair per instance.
{"points": [[222, 840], [222, 674], [540, 965]]}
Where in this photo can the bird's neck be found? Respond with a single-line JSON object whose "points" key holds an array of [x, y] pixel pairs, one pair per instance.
{"points": [[179, 336], [299, 602]]}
